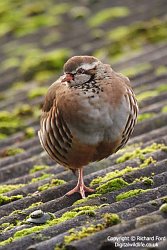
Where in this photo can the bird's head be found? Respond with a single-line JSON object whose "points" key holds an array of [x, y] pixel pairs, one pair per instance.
{"points": [[80, 69]]}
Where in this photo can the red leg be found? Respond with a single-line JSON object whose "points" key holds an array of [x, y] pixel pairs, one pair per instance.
{"points": [[80, 187]]}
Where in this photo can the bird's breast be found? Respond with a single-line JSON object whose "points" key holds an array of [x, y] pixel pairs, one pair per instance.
{"points": [[92, 117]]}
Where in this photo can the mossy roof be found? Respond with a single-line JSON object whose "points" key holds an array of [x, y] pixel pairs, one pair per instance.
{"points": [[36, 38]]}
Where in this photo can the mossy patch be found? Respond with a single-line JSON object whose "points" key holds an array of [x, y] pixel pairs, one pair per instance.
{"points": [[146, 95], [23, 110], [164, 109], [2, 136], [6, 199], [145, 116], [51, 61], [5, 227], [125, 40], [29, 132], [111, 185], [130, 193], [109, 219], [111, 175], [146, 180], [12, 152], [118, 173], [36, 204], [141, 152], [22, 19], [87, 210], [37, 168], [9, 187], [10, 123], [52, 183], [151, 31], [42, 177], [91, 196], [160, 70], [108, 14], [163, 208], [36, 92], [79, 12], [147, 162], [137, 69], [151, 93]]}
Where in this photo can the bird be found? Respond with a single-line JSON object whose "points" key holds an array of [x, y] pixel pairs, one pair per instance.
{"points": [[88, 114]]}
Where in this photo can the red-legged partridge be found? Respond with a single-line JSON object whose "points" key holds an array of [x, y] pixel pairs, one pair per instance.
{"points": [[88, 114]]}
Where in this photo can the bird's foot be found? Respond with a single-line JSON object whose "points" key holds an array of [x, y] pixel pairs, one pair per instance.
{"points": [[80, 189]]}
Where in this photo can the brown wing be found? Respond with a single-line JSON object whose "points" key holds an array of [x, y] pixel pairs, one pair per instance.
{"points": [[132, 118], [54, 135]]}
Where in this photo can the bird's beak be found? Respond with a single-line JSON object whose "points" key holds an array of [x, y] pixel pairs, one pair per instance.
{"points": [[68, 77]]}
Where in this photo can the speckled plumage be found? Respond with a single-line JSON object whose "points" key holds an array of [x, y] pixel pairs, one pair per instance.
{"points": [[88, 117]]}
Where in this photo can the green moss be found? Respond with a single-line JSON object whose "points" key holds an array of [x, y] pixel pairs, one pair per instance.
{"points": [[36, 204], [36, 92], [5, 227], [146, 180], [6, 199], [162, 88], [16, 212], [29, 133], [52, 183], [10, 123], [10, 63], [140, 153], [151, 93], [87, 210], [5, 242], [109, 219], [108, 14], [164, 199], [23, 110], [147, 161], [124, 38], [85, 232], [79, 12], [60, 8], [160, 70], [38, 61], [163, 208], [12, 151], [22, 19], [137, 69], [111, 175], [17, 86], [145, 116], [42, 177], [111, 185], [7, 188], [108, 183], [43, 76], [2, 136], [37, 168], [91, 196], [164, 109], [119, 33], [130, 193], [147, 94]]}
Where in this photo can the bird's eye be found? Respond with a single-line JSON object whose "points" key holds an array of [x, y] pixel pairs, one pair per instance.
{"points": [[80, 71]]}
